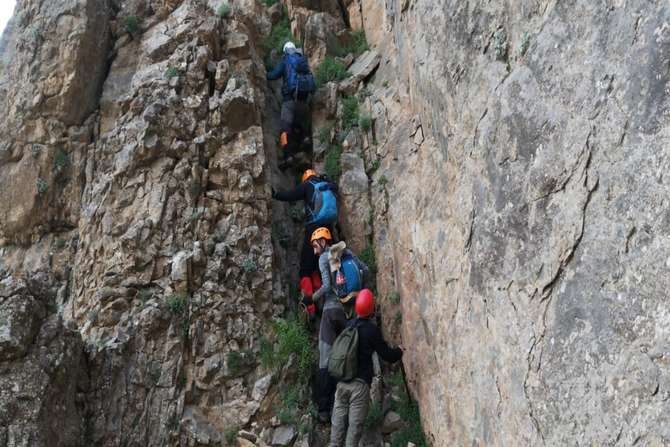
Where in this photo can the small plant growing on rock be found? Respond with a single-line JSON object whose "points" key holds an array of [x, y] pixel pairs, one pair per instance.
{"points": [[329, 70], [365, 122], [374, 165], [296, 213], [131, 24], [325, 134], [394, 297], [279, 34], [42, 186], [287, 412], [35, 150], [249, 265], [235, 362], [177, 303], [382, 181], [350, 112], [398, 318], [144, 295], [357, 44], [375, 416], [171, 72], [230, 435], [224, 10], [332, 162], [269, 3], [368, 257], [61, 161], [500, 44]]}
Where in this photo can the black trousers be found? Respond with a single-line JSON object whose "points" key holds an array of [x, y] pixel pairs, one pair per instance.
{"points": [[325, 395]]}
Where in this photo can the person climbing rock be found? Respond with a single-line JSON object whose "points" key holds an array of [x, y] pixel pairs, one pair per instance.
{"points": [[348, 275], [320, 198], [333, 319], [352, 398], [298, 84]]}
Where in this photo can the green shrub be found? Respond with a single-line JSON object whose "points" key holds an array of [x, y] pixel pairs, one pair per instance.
{"points": [[368, 256], [61, 160], [357, 44], [42, 186], [350, 112], [292, 337], [171, 72], [382, 181], [332, 162], [288, 410], [374, 165], [231, 434], [394, 297], [144, 295], [329, 70], [224, 10], [500, 44], [35, 150], [132, 24], [324, 134], [249, 265], [365, 122], [398, 318], [375, 416], [279, 34], [269, 3], [177, 303], [235, 361], [408, 410]]}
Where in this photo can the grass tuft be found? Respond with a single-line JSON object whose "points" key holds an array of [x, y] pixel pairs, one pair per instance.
{"points": [[329, 70]]}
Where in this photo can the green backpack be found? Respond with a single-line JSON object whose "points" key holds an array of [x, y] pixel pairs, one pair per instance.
{"points": [[343, 360]]}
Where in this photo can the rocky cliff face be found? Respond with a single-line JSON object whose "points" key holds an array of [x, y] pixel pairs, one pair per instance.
{"points": [[524, 221], [512, 185]]}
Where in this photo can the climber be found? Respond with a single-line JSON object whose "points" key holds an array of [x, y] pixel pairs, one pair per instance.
{"points": [[298, 84], [348, 275], [319, 196], [352, 398], [333, 318]]}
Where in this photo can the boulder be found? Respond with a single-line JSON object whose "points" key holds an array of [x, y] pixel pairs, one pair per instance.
{"points": [[284, 435]]}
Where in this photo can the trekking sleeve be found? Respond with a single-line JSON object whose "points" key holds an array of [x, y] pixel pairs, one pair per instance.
{"points": [[324, 268], [383, 349], [277, 73], [292, 195]]}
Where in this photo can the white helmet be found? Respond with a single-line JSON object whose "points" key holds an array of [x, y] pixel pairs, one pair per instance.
{"points": [[289, 48]]}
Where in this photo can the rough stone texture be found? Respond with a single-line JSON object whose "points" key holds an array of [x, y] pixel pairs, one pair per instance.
{"points": [[42, 383], [525, 220], [354, 202], [154, 222]]}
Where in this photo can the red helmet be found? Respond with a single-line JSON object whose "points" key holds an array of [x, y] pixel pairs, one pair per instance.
{"points": [[365, 303]]}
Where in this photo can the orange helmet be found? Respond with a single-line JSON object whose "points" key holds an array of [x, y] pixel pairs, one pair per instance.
{"points": [[365, 303], [321, 233], [308, 173]]}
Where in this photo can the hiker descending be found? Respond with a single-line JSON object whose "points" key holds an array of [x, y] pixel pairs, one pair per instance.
{"points": [[320, 198], [333, 319], [298, 84], [352, 361]]}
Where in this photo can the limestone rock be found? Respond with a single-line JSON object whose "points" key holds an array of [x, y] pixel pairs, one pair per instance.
{"points": [[392, 422], [284, 435], [354, 202]]}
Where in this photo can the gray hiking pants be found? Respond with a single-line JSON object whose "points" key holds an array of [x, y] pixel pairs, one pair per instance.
{"points": [[351, 405], [287, 114]]}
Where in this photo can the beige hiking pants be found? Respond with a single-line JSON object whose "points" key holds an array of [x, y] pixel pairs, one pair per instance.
{"points": [[351, 405]]}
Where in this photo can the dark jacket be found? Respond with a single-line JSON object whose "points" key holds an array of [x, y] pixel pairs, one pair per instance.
{"points": [[304, 191], [370, 340], [280, 72]]}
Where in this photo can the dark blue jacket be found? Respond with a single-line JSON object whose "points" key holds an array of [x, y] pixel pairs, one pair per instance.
{"points": [[370, 340], [280, 72]]}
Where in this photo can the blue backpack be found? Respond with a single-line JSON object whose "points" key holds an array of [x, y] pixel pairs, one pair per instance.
{"points": [[323, 209], [348, 278], [299, 79]]}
